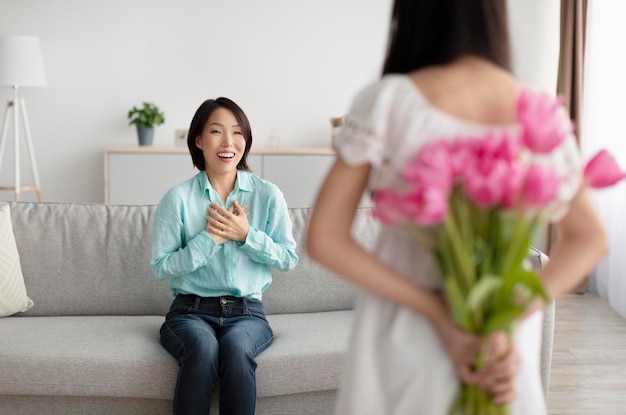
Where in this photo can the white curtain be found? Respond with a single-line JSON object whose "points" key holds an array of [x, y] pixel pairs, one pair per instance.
{"points": [[604, 126]]}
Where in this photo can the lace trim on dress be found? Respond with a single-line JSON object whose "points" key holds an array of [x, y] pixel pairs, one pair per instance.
{"points": [[568, 163], [359, 143]]}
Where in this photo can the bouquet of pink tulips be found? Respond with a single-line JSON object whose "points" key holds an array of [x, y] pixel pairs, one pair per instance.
{"points": [[487, 197]]}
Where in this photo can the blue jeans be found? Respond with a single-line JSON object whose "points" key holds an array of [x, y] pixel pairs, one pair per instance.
{"points": [[215, 336]]}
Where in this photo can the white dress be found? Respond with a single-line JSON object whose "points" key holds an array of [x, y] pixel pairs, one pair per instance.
{"points": [[396, 363]]}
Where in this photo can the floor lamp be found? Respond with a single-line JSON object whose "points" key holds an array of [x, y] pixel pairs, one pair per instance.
{"points": [[21, 64]]}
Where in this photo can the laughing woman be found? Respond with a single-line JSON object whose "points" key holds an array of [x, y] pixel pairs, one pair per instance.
{"points": [[215, 238]]}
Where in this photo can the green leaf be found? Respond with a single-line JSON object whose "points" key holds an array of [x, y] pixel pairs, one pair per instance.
{"points": [[460, 255], [460, 207], [148, 116], [534, 283], [456, 302], [483, 256], [503, 319], [486, 286]]}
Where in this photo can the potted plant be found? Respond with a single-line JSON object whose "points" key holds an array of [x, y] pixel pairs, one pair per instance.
{"points": [[146, 118]]}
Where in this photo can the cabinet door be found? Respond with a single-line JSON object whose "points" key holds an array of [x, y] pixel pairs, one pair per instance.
{"points": [[255, 162], [299, 177], [137, 179]]}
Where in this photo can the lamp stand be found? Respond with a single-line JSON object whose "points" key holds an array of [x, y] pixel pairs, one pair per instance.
{"points": [[16, 107]]}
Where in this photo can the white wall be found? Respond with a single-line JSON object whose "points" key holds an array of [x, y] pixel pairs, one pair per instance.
{"points": [[535, 27], [290, 64]]}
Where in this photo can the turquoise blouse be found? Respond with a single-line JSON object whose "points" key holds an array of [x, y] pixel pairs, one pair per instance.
{"points": [[185, 253]]}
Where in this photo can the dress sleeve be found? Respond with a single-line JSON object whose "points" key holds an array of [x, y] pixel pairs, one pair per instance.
{"points": [[362, 137], [568, 163]]}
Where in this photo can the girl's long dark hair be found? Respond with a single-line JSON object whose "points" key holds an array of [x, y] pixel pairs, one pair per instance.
{"points": [[436, 32]]}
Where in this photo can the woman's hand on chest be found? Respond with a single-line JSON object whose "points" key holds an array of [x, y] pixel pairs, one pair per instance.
{"points": [[228, 224]]}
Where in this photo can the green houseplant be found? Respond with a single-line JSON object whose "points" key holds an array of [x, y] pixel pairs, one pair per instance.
{"points": [[146, 118]]}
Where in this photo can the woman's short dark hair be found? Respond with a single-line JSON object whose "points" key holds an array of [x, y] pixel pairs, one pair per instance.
{"points": [[436, 32], [202, 116]]}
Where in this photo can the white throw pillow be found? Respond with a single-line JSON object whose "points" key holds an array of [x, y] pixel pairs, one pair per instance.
{"points": [[13, 297]]}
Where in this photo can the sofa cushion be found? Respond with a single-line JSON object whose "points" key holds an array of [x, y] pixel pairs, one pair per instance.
{"points": [[84, 356], [92, 259], [121, 356], [13, 297], [309, 288], [88, 259]]}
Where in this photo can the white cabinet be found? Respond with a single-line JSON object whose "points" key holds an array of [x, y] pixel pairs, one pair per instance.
{"points": [[135, 179], [142, 175], [299, 176]]}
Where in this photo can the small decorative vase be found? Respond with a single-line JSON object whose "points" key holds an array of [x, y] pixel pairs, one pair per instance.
{"points": [[145, 135], [336, 124]]}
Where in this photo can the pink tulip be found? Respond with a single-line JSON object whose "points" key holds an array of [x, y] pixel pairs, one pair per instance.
{"points": [[432, 167], [426, 206], [387, 206], [489, 169], [511, 185], [602, 170], [541, 186], [461, 154], [499, 145], [484, 182], [544, 121]]}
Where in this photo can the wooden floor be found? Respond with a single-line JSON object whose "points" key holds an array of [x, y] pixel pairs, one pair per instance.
{"points": [[589, 358]]}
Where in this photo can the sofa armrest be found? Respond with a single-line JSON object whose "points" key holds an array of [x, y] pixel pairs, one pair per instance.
{"points": [[546, 346], [539, 260]]}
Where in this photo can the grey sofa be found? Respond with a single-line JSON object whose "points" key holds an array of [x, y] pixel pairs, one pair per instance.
{"points": [[90, 345]]}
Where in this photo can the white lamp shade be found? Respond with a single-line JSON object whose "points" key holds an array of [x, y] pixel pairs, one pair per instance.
{"points": [[21, 62]]}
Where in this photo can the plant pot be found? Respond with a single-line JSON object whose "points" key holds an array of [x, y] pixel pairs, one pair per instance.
{"points": [[145, 135]]}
